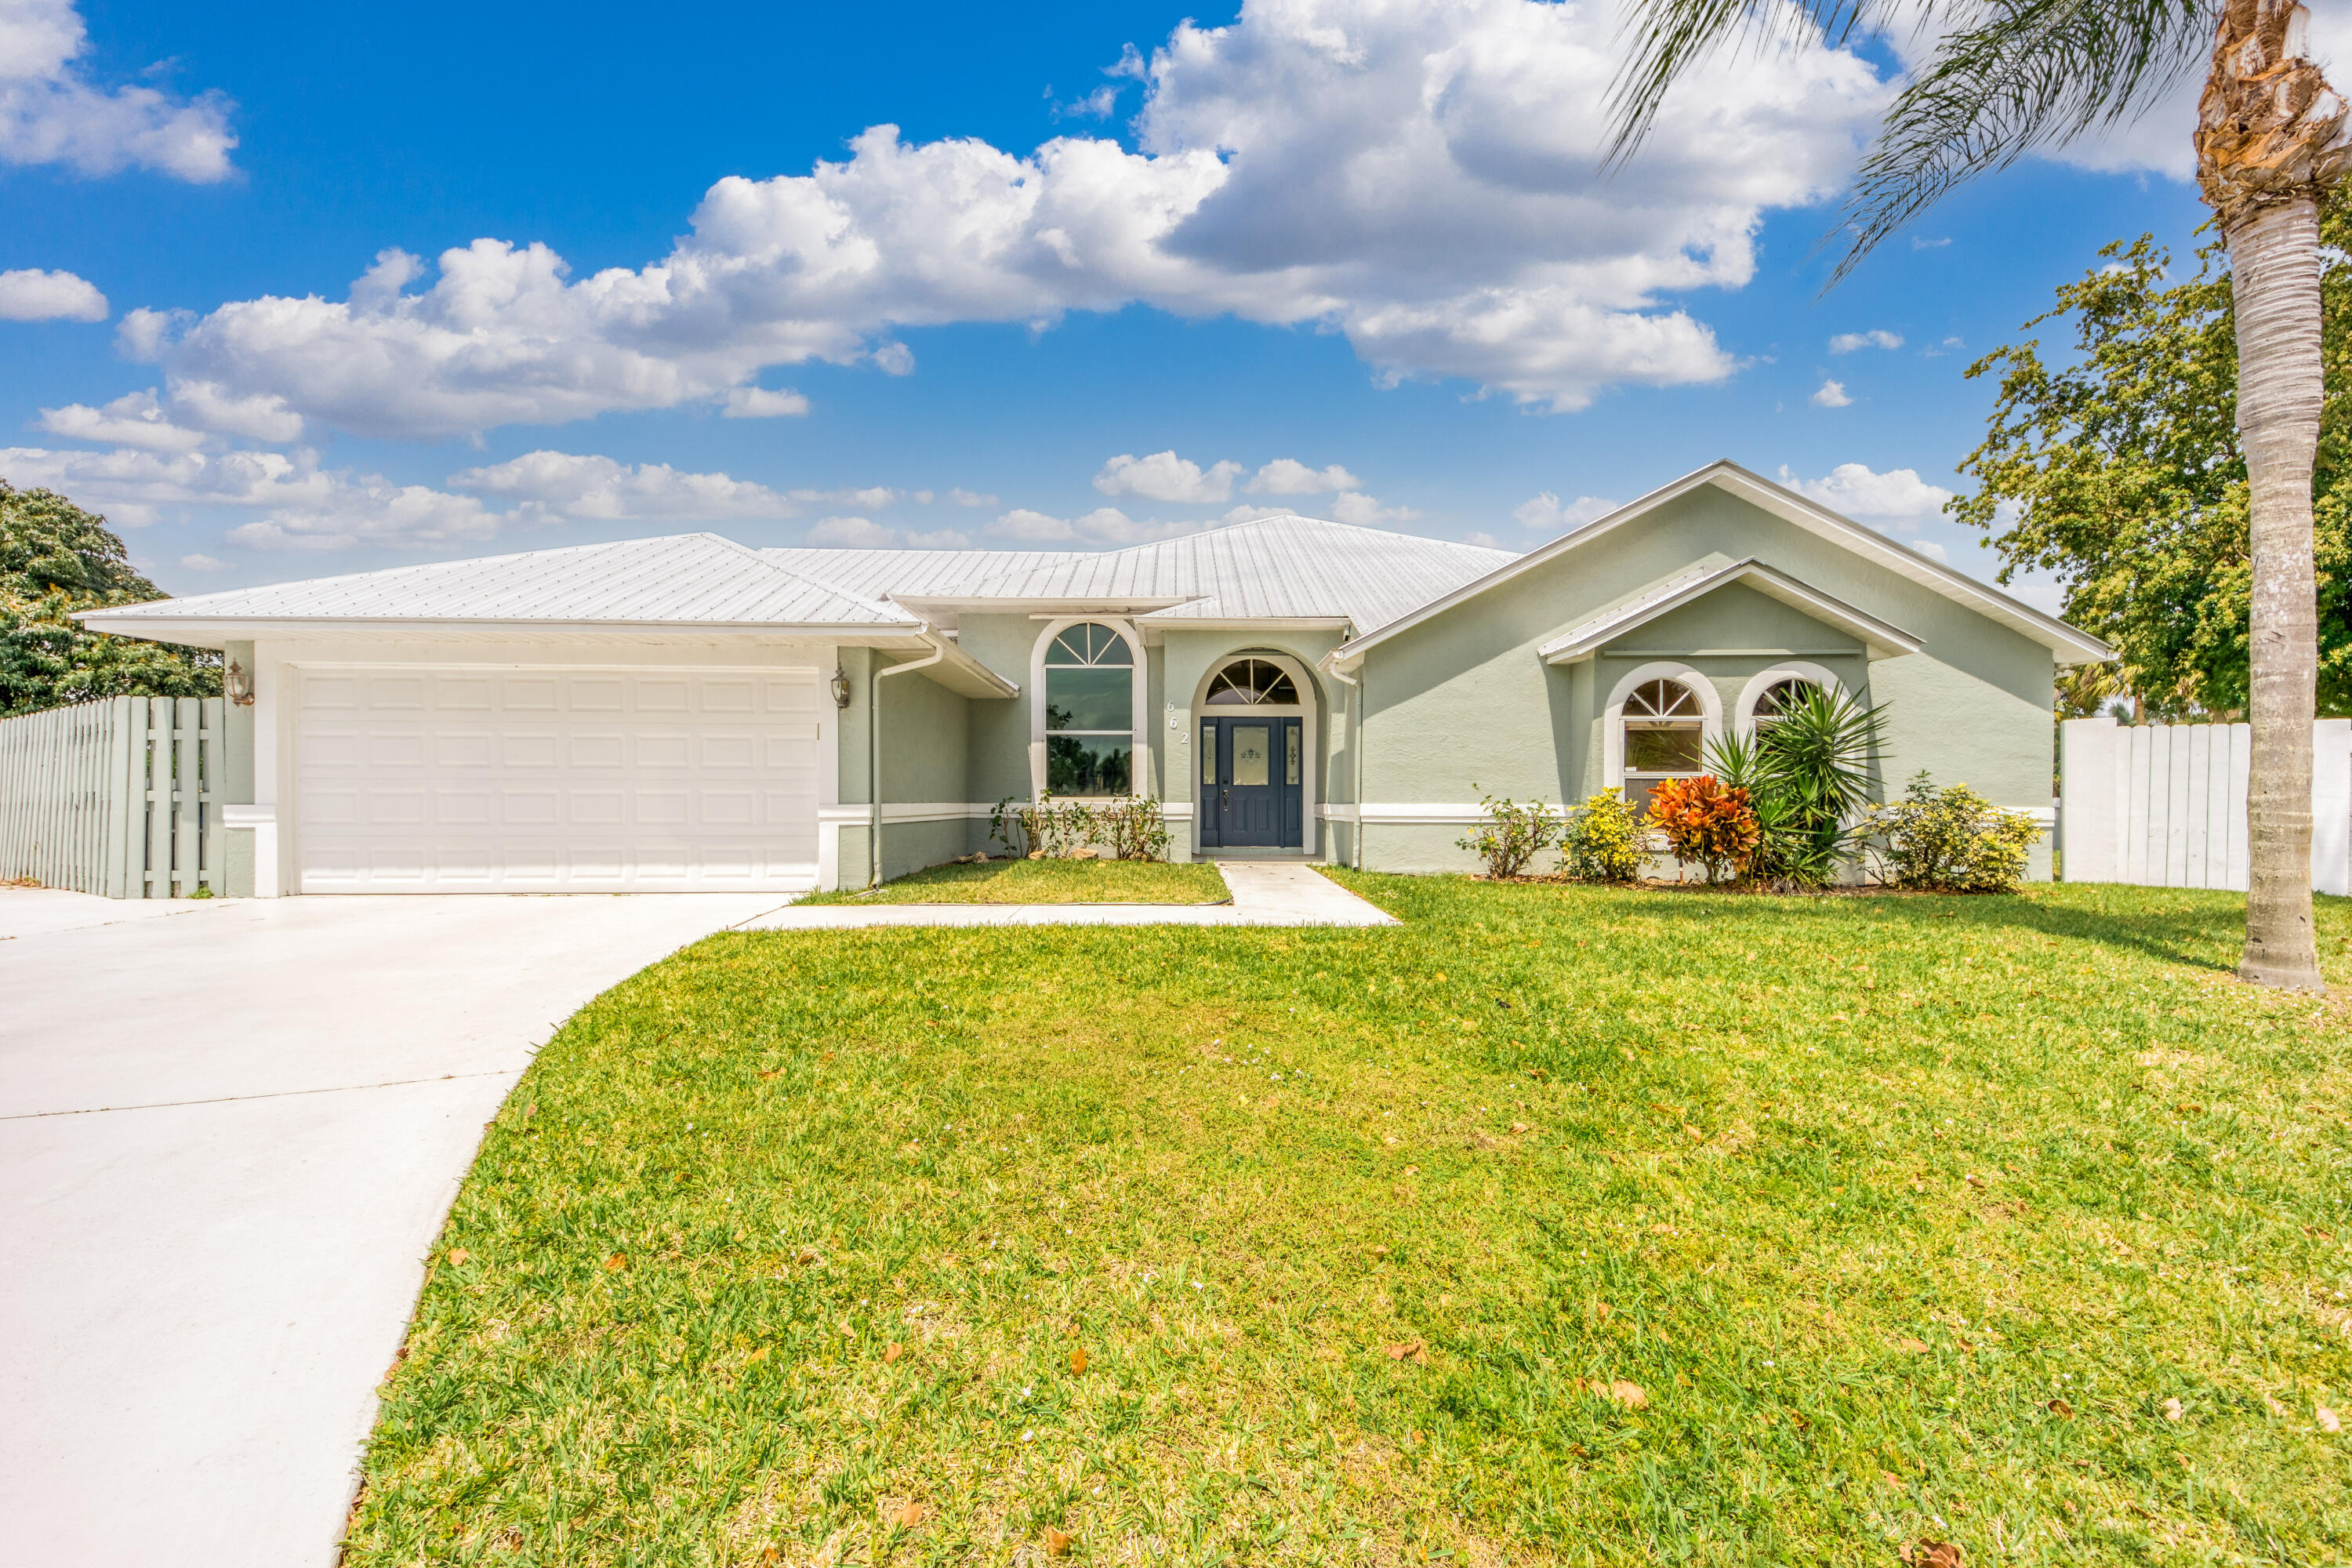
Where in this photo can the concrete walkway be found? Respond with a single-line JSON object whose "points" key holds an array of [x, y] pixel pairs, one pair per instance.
{"points": [[229, 1131], [1265, 893]]}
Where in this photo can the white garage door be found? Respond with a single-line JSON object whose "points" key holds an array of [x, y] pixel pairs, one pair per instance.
{"points": [[452, 780]]}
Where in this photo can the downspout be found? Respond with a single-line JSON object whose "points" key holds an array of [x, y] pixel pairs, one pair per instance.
{"points": [[874, 740], [1356, 752]]}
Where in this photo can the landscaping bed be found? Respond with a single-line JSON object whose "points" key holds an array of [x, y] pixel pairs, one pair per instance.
{"points": [[1049, 881], [1555, 1225]]}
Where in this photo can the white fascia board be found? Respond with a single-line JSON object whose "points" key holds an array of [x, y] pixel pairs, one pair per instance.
{"points": [[960, 673], [1245, 623], [212, 632], [2071, 645], [1879, 640]]}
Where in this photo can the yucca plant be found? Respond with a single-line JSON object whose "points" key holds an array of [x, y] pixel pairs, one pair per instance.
{"points": [[1808, 775]]}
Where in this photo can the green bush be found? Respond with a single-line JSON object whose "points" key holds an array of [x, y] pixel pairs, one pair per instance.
{"points": [[1129, 827], [1950, 840], [1602, 842], [1132, 828], [1509, 835], [1807, 774]]}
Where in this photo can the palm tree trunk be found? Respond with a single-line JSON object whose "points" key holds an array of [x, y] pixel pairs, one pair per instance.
{"points": [[2271, 142], [2275, 279]]}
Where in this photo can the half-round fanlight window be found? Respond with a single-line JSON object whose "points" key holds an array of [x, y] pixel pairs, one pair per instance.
{"points": [[1254, 683], [1781, 696]]}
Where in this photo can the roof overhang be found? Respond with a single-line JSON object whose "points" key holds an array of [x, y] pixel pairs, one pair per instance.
{"points": [[957, 670], [2068, 644], [1879, 640], [926, 605]]}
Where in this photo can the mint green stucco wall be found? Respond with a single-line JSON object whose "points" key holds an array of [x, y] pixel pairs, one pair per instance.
{"points": [[1461, 705]]}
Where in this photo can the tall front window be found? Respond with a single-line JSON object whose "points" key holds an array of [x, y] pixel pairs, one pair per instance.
{"points": [[1664, 738], [1089, 712]]}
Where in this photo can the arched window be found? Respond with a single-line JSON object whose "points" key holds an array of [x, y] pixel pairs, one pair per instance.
{"points": [[1782, 695], [1254, 683], [1666, 730], [1089, 712]]}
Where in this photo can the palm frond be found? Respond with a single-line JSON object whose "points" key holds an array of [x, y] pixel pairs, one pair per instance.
{"points": [[2021, 74], [1666, 38]]}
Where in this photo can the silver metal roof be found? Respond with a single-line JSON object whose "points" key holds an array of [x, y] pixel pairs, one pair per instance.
{"points": [[1276, 568], [685, 578], [912, 573]]}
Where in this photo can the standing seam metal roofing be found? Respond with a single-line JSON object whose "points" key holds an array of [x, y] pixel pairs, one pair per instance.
{"points": [[691, 577]]}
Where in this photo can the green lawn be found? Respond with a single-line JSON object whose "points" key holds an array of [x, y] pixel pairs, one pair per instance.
{"points": [[1046, 882], [1908, 1218]]}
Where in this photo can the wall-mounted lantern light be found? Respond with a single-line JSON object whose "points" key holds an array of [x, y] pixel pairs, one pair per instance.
{"points": [[236, 681], [840, 688]]}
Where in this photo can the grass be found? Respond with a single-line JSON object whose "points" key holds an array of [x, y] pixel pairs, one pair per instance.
{"points": [[1907, 1217], [1046, 882]]}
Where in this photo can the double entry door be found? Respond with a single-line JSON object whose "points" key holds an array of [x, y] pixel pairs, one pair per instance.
{"points": [[1250, 793]]}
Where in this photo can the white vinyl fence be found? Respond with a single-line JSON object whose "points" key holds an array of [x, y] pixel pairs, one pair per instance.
{"points": [[120, 797], [2164, 804]]}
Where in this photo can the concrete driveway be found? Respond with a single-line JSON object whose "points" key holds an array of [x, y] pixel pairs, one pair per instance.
{"points": [[229, 1132]]}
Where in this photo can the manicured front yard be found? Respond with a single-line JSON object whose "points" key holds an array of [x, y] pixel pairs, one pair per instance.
{"points": [[1556, 1226], [1046, 882]]}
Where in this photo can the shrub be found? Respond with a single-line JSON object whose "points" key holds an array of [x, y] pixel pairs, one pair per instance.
{"points": [[1807, 774], [1600, 842], [1950, 840], [1509, 835], [1706, 823], [1045, 827], [1132, 828]]}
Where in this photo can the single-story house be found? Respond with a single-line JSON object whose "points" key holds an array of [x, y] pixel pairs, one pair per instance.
{"points": [[690, 713]]}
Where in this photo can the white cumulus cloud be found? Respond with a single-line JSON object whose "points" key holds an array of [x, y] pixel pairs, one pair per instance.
{"points": [[1898, 496], [759, 403], [1422, 176], [1829, 395], [134, 419], [1876, 338], [1164, 476], [963, 497], [864, 533], [1363, 512], [562, 484], [51, 112], [1104, 525], [30, 294], [1289, 477], [1547, 513]]}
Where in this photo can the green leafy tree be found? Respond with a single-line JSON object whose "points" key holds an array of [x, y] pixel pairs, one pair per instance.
{"points": [[2122, 474], [54, 558]]}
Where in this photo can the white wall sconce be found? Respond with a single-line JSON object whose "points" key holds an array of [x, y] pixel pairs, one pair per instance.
{"points": [[237, 683]]}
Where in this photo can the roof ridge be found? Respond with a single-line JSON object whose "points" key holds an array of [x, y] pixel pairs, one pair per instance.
{"points": [[875, 606]]}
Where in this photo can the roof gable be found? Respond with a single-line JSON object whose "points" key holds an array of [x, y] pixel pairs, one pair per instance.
{"points": [[2069, 644], [1878, 638]]}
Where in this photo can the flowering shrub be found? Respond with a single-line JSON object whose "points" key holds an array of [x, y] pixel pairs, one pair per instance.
{"points": [[1509, 835], [1602, 842], [1706, 823], [1950, 840], [1131, 828]]}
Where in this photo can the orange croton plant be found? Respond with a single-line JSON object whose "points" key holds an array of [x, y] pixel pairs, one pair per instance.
{"points": [[1706, 823]]}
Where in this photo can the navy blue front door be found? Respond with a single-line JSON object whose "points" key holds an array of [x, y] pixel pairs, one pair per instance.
{"points": [[1250, 783]]}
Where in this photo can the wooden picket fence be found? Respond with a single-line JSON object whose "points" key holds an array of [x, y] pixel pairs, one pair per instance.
{"points": [[118, 797]]}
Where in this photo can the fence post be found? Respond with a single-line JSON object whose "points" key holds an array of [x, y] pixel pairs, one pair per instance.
{"points": [[213, 863], [2331, 806]]}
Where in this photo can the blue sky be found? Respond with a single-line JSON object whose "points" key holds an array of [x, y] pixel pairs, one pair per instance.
{"points": [[1353, 260]]}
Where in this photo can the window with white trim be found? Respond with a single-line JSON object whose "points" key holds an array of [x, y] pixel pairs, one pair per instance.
{"points": [[1666, 738], [1089, 712], [1782, 695]]}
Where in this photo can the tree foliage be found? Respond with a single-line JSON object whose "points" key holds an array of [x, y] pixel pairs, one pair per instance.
{"points": [[54, 558], [2120, 471]]}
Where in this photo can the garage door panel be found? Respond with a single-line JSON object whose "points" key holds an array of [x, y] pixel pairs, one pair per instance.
{"points": [[553, 781]]}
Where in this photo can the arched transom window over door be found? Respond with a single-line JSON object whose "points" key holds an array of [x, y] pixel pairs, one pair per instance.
{"points": [[1666, 730], [1253, 683], [1089, 712]]}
